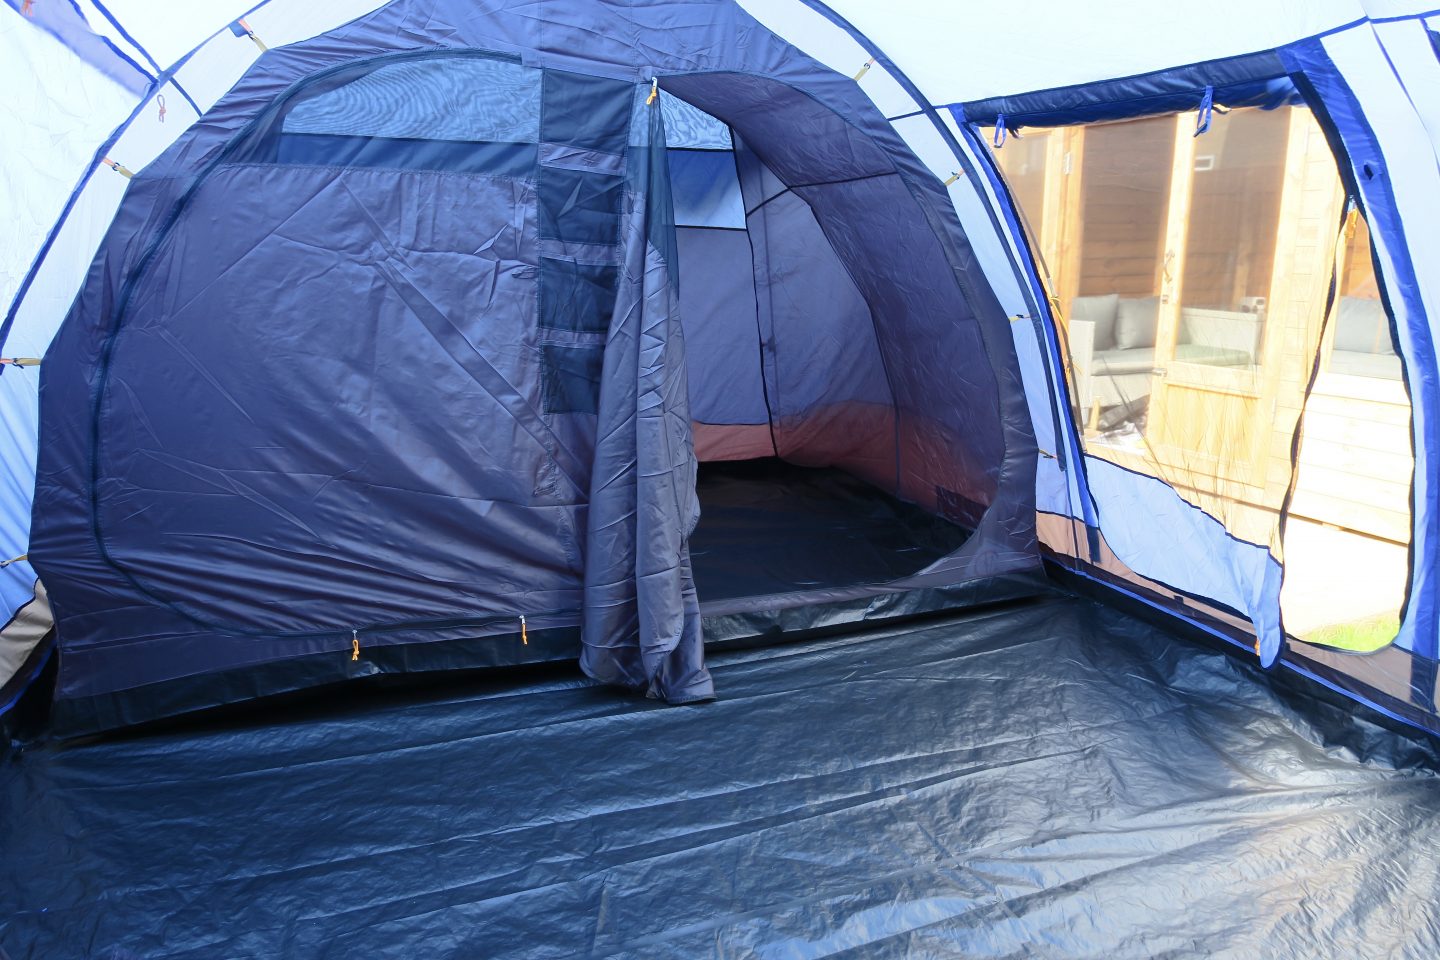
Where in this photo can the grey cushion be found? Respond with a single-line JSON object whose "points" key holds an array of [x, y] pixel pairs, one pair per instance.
{"points": [[1362, 327], [1135, 322], [1380, 366], [1101, 312], [1114, 362]]}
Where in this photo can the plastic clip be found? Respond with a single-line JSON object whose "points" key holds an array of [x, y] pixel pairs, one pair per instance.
{"points": [[242, 29], [119, 168], [1207, 107]]}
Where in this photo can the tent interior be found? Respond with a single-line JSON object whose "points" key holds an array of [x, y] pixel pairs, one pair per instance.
{"points": [[798, 484], [656, 478]]}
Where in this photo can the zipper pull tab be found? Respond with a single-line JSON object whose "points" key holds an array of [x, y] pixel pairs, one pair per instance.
{"points": [[524, 633], [354, 645]]}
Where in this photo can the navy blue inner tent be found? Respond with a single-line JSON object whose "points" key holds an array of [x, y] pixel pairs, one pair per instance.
{"points": [[408, 354]]}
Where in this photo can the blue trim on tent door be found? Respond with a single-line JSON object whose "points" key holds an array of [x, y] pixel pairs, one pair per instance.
{"points": [[1251, 80]]}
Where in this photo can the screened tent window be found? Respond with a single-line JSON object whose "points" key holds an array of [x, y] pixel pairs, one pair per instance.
{"points": [[1193, 274], [1231, 231], [442, 98], [704, 181], [457, 112], [1347, 542], [1360, 343], [1024, 161]]}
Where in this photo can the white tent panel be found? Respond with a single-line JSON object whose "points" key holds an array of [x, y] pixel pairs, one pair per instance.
{"points": [[56, 111], [1407, 44]]}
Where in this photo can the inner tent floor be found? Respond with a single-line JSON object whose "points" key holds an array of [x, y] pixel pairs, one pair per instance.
{"points": [[768, 527]]}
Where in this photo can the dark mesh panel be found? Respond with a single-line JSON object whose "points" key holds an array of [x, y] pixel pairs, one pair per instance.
{"points": [[576, 296], [572, 377], [495, 159], [589, 112], [440, 98], [579, 207]]}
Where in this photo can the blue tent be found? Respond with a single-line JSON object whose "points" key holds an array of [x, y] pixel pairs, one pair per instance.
{"points": [[928, 390], [420, 340]]}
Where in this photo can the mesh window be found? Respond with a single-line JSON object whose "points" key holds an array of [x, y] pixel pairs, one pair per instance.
{"points": [[458, 112], [571, 380], [688, 127], [445, 98], [580, 207], [577, 297], [1347, 537], [1193, 274]]}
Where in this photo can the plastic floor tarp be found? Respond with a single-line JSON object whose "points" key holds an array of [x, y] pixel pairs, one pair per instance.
{"points": [[1045, 779]]}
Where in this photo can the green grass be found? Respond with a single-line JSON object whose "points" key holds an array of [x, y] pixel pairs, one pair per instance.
{"points": [[1360, 636]]}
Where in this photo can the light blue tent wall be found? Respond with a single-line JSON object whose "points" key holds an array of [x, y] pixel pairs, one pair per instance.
{"points": [[1373, 63]]}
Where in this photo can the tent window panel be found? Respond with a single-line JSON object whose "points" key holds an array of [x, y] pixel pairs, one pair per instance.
{"points": [[689, 127], [589, 112], [1362, 344], [411, 113], [579, 207], [577, 297], [430, 99], [1192, 273], [570, 377], [1347, 541]]}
